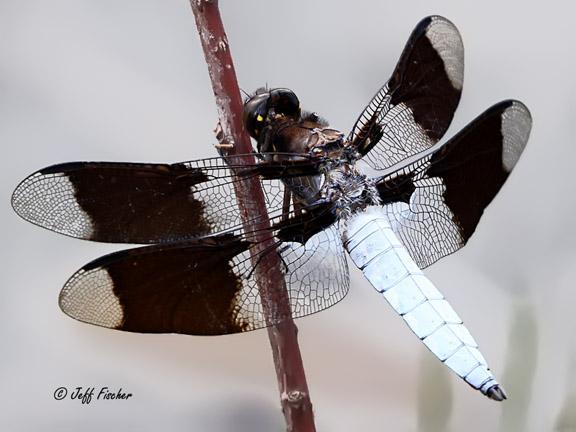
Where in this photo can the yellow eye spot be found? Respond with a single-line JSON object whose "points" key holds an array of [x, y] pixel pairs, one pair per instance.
{"points": [[259, 118]]}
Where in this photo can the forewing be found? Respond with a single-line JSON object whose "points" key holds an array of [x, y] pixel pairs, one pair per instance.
{"points": [[209, 286], [150, 203], [413, 110], [435, 204]]}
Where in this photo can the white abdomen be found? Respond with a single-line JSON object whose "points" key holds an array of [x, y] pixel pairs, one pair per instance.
{"points": [[375, 249]]}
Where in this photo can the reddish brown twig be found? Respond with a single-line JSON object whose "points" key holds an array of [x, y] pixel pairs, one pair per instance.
{"points": [[294, 394]]}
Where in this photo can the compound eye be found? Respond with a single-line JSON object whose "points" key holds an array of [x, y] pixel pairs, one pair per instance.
{"points": [[255, 111], [284, 101]]}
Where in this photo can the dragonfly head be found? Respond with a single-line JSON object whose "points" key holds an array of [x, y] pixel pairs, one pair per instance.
{"points": [[266, 105]]}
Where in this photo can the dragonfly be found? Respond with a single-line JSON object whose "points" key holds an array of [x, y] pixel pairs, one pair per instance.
{"points": [[200, 265]]}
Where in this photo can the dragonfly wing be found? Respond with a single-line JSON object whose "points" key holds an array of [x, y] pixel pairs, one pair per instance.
{"points": [[435, 203], [151, 203], [210, 286], [413, 110]]}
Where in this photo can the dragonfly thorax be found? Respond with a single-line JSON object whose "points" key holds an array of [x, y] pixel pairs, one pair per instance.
{"points": [[350, 190]]}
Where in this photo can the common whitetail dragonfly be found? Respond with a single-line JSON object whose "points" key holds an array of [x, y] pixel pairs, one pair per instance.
{"points": [[198, 275]]}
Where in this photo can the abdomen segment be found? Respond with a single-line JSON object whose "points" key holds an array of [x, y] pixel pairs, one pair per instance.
{"points": [[375, 249]]}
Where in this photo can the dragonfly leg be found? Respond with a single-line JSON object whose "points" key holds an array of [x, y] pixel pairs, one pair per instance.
{"points": [[286, 204], [224, 143]]}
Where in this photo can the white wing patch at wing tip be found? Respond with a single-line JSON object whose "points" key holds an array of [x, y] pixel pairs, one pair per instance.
{"points": [[94, 302], [445, 39], [48, 200], [516, 126]]}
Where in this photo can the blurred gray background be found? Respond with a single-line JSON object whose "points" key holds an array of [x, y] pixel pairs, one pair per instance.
{"points": [[126, 80]]}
